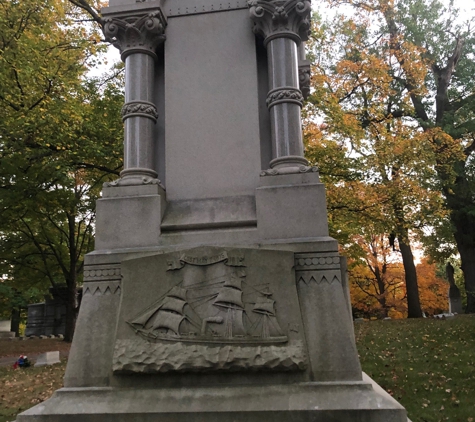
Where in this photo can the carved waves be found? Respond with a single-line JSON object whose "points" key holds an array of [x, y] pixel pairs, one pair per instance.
{"points": [[141, 356]]}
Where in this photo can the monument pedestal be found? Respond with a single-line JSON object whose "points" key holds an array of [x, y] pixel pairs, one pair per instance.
{"points": [[317, 402], [214, 293]]}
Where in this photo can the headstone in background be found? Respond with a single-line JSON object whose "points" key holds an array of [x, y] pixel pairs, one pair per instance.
{"points": [[49, 317], [48, 358], [215, 292], [5, 327]]}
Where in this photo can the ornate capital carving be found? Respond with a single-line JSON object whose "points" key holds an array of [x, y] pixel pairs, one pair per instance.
{"points": [[136, 34], [139, 108], [286, 94], [304, 78], [281, 18]]}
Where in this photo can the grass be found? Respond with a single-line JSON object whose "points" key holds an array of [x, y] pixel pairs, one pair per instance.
{"points": [[427, 365], [24, 388]]}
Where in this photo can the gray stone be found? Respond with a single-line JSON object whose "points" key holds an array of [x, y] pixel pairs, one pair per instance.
{"points": [[48, 358], [5, 326], [214, 292], [455, 298]]}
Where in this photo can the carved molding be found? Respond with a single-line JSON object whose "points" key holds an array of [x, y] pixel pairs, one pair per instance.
{"points": [[319, 277], [289, 170], [284, 95], [102, 288], [135, 177], [196, 7], [313, 261], [102, 272], [136, 34], [304, 78], [281, 19], [139, 108], [317, 268]]}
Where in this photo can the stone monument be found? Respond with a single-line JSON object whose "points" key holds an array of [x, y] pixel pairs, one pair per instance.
{"points": [[214, 292]]}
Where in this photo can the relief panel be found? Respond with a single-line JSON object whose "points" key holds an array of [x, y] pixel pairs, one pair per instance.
{"points": [[210, 309]]}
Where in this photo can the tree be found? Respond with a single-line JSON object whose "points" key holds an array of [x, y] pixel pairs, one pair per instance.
{"points": [[353, 93], [430, 65], [60, 138], [377, 279]]}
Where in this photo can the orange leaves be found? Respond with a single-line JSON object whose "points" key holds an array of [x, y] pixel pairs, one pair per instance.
{"points": [[433, 290]]}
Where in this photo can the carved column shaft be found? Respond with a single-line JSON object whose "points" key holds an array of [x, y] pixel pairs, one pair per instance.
{"points": [[139, 115], [283, 24], [285, 101], [137, 38]]}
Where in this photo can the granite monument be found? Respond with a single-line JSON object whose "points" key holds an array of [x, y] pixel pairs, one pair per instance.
{"points": [[214, 292]]}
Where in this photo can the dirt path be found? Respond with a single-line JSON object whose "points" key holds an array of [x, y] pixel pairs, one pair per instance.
{"points": [[11, 350]]}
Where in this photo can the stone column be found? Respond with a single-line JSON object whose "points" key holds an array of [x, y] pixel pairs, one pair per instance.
{"points": [[284, 25], [137, 38]]}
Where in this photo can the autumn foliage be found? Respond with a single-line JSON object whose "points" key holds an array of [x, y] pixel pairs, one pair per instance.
{"points": [[377, 282]]}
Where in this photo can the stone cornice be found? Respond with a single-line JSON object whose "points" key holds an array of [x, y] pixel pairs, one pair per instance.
{"points": [[136, 34], [281, 18]]}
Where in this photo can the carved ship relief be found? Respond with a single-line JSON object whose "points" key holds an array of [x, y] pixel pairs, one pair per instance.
{"points": [[222, 308]]}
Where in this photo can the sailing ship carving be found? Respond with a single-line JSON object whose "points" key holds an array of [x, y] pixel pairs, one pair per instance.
{"points": [[224, 310]]}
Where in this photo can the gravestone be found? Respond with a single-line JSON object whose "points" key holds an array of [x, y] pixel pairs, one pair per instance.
{"points": [[5, 329], [455, 298], [215, 292], [48, 358], [49, 317]]}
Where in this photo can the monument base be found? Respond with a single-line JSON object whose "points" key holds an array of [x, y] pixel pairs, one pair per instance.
{"points": [[314, 401]]}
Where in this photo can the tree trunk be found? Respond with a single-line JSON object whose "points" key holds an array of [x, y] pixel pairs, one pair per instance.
{"points": [[413, 303], [459, 200], [467, 256], [15, 326], [71, 312], [381, 293]]}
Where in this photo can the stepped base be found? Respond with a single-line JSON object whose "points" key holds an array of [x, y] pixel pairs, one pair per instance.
{"points": [[316, 402]]}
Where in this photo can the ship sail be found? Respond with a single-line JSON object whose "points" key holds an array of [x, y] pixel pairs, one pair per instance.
{"points": [[265, 306], [178, 292], [270, 327], [234, 282], [173, 304], [229, 297], [169, 320], [142, 320]]}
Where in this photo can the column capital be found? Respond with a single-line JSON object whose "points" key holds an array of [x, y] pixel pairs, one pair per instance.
{"points": [[281, 19], [136, 34]]}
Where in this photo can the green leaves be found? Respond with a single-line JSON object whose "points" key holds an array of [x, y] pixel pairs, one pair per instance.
{"points": [[60, 139]]}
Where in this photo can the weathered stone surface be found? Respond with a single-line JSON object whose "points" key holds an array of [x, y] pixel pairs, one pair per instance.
{"points": [[141, 356]]}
